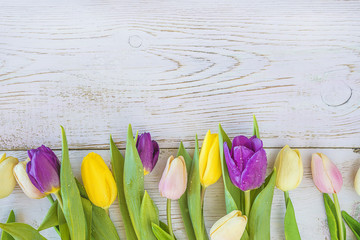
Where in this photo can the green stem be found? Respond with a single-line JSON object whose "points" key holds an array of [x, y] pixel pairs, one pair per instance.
{"points": [[338, 216], [203, 189], [107, 211], [51, 200], [59, 198], [286, 195], [168, 214], [247, 203]]}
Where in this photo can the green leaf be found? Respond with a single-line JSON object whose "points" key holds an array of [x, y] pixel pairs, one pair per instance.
{"points": [[149, 214], [133, 182], [259, 219], [117, 162], [256, 131], [233, 195], [88, 215], [160, 233], [194, 196], [82, 190], [183, 200], [72, 205], [291, 228], [51, 219], [11, 219], [331, 216], [102, 226], [63, 227], [352, 223], [21, 231]]}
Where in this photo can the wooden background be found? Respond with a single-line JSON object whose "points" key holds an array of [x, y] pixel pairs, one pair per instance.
{"points": [[177, 68]]}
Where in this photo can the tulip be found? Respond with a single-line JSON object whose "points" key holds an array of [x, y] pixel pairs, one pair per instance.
{"points": [[357, 182], [209, 160], [98, 181], [24, 181], [174, 178], [289, 168], [173, 183], [246, 162], [44, 170], [148, 151], [326, 175], [229, 227], [7, 178]]}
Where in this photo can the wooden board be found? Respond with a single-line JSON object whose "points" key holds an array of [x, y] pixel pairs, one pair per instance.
{"points": [[177, 68], [306, 198]]}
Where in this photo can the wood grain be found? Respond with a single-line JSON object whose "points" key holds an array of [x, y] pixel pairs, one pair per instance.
{"points": [[177, 68], [306, 198]]}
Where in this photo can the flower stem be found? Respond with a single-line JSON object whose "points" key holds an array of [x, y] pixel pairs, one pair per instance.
{"points": [[247, 203], [168, 214], [107, 211], [59, 198], [286, 195], [338, 216], [203, 189], [51, 200]]}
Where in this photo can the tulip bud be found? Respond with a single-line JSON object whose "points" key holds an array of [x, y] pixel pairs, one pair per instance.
{"points": [[98, 181], [357, 182], [174, 178], [7, 178], [209, 160], [246, 162], [229, 227], [289, 168], [148, 151], [23, 180], [44, 169], [326, 175]]}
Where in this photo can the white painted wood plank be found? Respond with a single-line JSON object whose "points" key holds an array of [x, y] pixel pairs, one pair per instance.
{"points": [[307, 200], [177, 68]]}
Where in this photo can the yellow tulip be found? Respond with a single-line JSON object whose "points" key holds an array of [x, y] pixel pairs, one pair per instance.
{"points": [[229, 227], [209, 161], [289, 168], [7, 178], [98, 181], [357, 182]]}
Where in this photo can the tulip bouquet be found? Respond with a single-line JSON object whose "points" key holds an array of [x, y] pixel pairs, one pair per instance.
{"points": [[78, 212]]}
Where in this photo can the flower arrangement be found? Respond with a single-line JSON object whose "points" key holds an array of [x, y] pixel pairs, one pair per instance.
{"points": [[80, 211]]}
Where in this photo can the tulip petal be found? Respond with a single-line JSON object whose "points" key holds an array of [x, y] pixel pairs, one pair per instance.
{"points": [[25, 183], [204, 154], [7, 178], [145, 149], [320, 177], [253, 175], [240, 141], [241, 156], [174, 180], [43, 172], [229, 227], [156, 151], [333, 173], [234, 171], [256, 143], [98, 180], [357, 182], [213, 166]]}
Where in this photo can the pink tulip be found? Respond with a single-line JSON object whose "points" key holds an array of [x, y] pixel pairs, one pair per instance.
{"points": [[326, 175], [174, 179]]}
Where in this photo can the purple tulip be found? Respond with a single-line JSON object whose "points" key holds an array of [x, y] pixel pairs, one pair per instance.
{"points": [[44, 169], [148, 151], [246, 162]]}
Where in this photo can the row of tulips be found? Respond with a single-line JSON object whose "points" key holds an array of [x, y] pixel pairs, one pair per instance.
{"points": [[80, 211]]}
